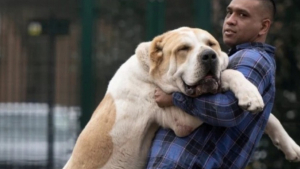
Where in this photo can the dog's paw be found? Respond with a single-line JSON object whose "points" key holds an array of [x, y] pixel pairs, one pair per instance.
{"points": [[282, 140], [181, 129], [185, 125], [249, 98], [290, 149]]}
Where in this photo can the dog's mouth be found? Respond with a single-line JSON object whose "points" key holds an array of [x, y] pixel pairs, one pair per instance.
{"points": [[208, 84]]}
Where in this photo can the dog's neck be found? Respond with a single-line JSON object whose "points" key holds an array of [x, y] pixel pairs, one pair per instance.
{"points": [[142, 53]]}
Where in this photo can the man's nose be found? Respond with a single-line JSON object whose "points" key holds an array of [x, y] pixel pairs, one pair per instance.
{"points": [[230, 20], [208, 56]]}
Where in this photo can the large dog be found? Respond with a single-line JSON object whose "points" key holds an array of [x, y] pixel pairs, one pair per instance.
{"points": [[186, 60]]}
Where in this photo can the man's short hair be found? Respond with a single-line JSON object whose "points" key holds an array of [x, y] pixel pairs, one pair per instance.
{"points": [[271, 6]]}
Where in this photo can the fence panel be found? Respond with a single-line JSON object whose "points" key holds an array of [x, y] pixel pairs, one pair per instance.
{"points": [[39, 82]]}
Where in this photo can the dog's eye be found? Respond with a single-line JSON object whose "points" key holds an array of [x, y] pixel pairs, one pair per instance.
{"points": [[210, 44], [184, 48]]}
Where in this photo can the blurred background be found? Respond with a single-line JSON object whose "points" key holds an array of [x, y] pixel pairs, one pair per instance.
{"points": [[57, 57]]}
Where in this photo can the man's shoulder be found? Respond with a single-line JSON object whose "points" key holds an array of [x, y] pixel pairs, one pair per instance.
{"points": [[254, 50], [251, 57], [247, 52], [246, 55]]}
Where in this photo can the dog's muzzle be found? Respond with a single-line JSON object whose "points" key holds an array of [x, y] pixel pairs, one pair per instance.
{"points": [[209, 83], [208, 58]]}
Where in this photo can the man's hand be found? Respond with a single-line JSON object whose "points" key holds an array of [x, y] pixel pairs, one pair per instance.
{"points": [[163, 99]]}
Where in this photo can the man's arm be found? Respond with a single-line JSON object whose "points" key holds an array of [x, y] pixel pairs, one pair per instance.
{"points": [[222, 109]]}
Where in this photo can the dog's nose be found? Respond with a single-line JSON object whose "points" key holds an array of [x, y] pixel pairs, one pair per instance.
{"points": [[208, 56]]}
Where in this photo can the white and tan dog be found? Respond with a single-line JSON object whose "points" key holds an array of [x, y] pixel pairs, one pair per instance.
{"points": [[186, 60]]}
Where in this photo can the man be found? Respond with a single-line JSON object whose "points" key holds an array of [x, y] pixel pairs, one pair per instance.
{"points": [[229, 135]]}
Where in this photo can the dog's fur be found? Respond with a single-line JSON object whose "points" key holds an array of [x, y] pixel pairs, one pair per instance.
{"points": [[120, 132]]}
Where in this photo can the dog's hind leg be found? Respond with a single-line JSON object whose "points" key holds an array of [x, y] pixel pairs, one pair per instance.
{"points": [[282, 140]]}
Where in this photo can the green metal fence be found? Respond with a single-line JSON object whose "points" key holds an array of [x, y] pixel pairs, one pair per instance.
{"points": [[39, 82]]}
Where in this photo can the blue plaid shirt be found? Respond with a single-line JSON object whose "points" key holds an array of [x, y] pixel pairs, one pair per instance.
{"points": [[229, 135]]}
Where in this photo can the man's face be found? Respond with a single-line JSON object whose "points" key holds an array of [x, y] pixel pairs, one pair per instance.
{"points": [[242, 22]]}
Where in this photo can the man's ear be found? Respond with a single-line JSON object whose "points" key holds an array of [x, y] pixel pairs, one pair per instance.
{"points": [[266, 23], [156, 53]]}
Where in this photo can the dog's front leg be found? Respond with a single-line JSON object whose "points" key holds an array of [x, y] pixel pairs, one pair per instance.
{"points": [[282, 140], [251, 100], [247, 94], [180, 122]]}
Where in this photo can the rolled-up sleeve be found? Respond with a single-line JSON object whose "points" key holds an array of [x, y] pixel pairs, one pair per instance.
{"points": [[222, 109]]}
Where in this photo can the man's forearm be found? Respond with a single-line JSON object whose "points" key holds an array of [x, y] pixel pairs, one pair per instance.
{"points": [[217, 110]]}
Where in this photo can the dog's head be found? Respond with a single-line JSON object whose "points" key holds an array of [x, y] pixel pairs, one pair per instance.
{"points": [[185, 60]]}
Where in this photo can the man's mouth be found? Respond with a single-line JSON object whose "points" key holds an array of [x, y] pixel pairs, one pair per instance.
{"points": [[208, 84], [229, 32]]}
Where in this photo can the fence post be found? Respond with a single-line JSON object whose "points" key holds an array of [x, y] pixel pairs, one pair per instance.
{"points": [[87, 73], [202, 10], [155, 18]]}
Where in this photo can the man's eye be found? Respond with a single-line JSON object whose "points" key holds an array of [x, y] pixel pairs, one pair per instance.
{"points": [[243, 15], [228, 13]]}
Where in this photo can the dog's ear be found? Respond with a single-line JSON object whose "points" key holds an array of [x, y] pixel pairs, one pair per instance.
{"points": [[156, 53], [224, 60]]}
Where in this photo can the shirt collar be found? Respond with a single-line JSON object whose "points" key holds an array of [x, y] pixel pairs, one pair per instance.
{"points": [[268, 48]]}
